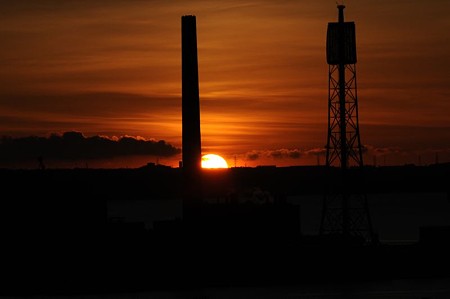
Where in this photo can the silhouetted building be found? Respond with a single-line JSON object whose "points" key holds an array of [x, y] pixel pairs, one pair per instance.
{"points": [[243, 222], [437, 236]]}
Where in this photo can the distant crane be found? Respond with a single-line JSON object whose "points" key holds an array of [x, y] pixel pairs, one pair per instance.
{"points": [[345, 208]]}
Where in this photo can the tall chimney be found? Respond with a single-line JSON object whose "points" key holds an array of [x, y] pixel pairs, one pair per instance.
{"points": [[191, 144], [190, 96]]}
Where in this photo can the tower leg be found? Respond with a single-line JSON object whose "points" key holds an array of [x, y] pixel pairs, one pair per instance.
{"points": [[345, 207]]}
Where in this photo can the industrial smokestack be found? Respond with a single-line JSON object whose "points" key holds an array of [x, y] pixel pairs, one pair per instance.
{"points": [[191, 144], [191, 147]]}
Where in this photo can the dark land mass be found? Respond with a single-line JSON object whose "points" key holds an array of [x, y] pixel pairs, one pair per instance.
{"points": [[60, 237]]}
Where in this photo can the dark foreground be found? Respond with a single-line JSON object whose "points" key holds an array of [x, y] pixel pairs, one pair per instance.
{"points": [[77, 269], [393, 289], [57, 238]]}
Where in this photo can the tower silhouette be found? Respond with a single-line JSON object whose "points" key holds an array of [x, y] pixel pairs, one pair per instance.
{"points": [[190, 96], [345, 208], [191, 144]]}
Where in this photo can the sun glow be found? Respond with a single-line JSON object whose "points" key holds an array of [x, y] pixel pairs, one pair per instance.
{"points": [[213, 161]]}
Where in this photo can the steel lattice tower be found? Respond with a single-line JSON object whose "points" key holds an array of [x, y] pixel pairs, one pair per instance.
{"points": [[345, 208]]}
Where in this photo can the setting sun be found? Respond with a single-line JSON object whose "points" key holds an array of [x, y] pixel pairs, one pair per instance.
{"points": [[213, 161]]}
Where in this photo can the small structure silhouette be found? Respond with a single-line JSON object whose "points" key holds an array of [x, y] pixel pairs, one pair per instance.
{"points": [[41, 164]]}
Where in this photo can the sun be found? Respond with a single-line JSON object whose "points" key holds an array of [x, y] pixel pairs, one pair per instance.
{"points": [[213, 161]]}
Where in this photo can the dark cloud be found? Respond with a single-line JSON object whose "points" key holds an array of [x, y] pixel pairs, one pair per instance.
{"points": [[380, 151], [274, 154], [285, 153], [74, 145], [253, 155], [320, 151]]}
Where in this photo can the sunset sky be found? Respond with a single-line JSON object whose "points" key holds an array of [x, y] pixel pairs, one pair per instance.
{"points": [[113, 68]]}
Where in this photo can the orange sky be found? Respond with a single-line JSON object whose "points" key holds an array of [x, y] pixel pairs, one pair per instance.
{"points": [[114, 68]]}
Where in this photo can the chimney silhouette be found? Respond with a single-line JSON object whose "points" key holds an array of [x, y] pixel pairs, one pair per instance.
{"points": [[191, 147], [191, 144]]}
